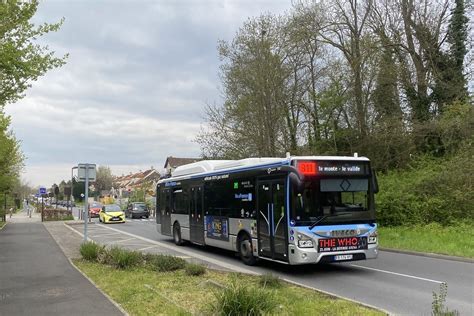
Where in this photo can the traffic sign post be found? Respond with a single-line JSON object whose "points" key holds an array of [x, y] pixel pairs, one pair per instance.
{"points": [[86, 172]]}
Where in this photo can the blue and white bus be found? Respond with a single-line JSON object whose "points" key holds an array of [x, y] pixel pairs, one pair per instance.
{"points": [[294, 210]]}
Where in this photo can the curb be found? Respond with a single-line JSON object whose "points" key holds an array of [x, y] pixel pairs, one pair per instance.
{"points": [[428, 255], [3, 226], [120, 308]]}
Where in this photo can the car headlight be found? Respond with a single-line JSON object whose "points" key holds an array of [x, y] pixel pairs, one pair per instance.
{"points": [[373, 237], [305, 241]]}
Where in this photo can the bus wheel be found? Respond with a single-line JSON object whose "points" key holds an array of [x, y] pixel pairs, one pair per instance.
{"points": [[245, 250], [177, 235]]}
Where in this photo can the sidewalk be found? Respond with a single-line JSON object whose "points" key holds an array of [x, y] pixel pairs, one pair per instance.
{"points": [[37, 279]]}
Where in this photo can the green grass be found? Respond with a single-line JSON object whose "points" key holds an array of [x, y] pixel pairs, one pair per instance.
{"points": [[141, 291], [2, 224], [453, 240]]}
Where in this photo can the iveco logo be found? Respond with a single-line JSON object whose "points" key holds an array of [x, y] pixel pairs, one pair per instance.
{"points": [[345, 233]]}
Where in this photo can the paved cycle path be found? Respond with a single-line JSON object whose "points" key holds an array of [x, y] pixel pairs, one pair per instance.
{"points": [[37, 279]]}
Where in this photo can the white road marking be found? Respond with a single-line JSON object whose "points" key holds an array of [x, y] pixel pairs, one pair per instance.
{"points": [[123, 240], [399, 274], [102, 235], [147, 248]]}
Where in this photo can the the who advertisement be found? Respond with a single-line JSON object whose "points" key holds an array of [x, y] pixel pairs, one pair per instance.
{"points": [[217, 227]]}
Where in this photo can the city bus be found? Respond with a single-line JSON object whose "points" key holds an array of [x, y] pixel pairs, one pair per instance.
{"points": [[293, 210]]}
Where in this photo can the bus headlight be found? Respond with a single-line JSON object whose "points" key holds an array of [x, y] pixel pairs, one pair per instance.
{"points": [[373, 238], [304, 241]]}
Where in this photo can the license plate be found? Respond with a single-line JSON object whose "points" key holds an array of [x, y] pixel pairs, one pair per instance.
{"points": [[115, 219], [343, 257]]}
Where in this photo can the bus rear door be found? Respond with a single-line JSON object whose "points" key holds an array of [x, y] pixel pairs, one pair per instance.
{"points": [[196, 216], [165, 212]]}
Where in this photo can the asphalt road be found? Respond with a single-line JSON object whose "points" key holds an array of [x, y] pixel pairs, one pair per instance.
{"points": [[397, 283]]}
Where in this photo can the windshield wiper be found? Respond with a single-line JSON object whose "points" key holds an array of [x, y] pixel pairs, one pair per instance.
{"points": [[323, 217]]}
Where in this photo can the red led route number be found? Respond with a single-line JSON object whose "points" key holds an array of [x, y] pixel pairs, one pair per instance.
{"points": [[307, 168]]}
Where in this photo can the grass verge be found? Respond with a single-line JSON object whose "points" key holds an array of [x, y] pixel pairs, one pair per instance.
{"points": [[142, 291], [449, 240], [2, 224]]}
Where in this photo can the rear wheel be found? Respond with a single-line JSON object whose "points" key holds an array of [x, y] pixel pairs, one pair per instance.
{"points": [[245, 250], [177, 235]]}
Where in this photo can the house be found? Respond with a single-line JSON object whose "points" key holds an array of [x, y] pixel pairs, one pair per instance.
{"points": [[172, 162], [141, 180]]}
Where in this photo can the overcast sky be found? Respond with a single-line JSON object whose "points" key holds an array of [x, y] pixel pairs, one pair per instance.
{"points": [[137, 79]]}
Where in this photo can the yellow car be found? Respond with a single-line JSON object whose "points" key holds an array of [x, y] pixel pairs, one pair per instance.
{"points": [[111, 213]]}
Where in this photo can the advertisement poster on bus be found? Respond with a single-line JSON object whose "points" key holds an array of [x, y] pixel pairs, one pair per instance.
{"points": [[217, 227]]}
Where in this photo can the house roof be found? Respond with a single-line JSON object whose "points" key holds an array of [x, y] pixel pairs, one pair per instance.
{"points": [[174, 162], [135, 179]]}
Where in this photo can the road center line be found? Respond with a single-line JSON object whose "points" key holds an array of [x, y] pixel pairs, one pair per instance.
{"points": [[399, 274]]}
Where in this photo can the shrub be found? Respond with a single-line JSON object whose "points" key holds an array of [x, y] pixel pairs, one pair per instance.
{"points": [[270, 280], [124, 259], [163, 263], [195, 269], [438, 308], [433, 190], [242, 300], [90, 250]]}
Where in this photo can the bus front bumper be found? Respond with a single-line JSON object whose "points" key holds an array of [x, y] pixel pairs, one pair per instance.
{"points": [[310, 255]]}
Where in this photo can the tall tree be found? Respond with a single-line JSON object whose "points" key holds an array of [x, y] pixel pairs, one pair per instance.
{"points": [[253, 74], [451, 82], [104, 179], [11, 158], [346, 31], [21, 59]]}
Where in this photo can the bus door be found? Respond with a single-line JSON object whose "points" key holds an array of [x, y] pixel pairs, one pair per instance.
{"points": [[196, 216], [272, 225], [165, 207]]}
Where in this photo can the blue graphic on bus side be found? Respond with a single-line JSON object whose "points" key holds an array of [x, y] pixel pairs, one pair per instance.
{"points": [[217, 227]]}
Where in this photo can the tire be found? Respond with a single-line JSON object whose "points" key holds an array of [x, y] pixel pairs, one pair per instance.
{"points": [[177, 235], [245, 250]]}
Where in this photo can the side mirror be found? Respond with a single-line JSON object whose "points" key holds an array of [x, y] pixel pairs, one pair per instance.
{"points": [[296, 183], [375, 183]]}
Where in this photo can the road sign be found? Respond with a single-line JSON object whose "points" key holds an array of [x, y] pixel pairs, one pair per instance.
{"points": [[42, 191], [81, 171]]}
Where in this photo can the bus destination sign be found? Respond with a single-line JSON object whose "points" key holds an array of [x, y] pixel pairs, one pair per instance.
{"points": [[342, 168]]}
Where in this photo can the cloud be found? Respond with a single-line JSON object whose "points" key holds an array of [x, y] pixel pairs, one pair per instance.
{"points": [[138, 77]]}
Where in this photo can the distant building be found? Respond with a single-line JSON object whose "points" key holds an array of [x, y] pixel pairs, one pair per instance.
{"points": [[172, 163], [133, 181]]}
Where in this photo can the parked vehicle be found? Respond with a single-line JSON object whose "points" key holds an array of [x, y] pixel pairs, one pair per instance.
{"points": [[94, 209], [137, 210], [111, 213]]}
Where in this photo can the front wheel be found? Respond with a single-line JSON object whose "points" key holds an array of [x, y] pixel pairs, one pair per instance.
{"points": [[245, 250], [177, 235]]}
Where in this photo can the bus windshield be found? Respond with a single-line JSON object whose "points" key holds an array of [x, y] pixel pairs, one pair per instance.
{"points": [[332, 201]]}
